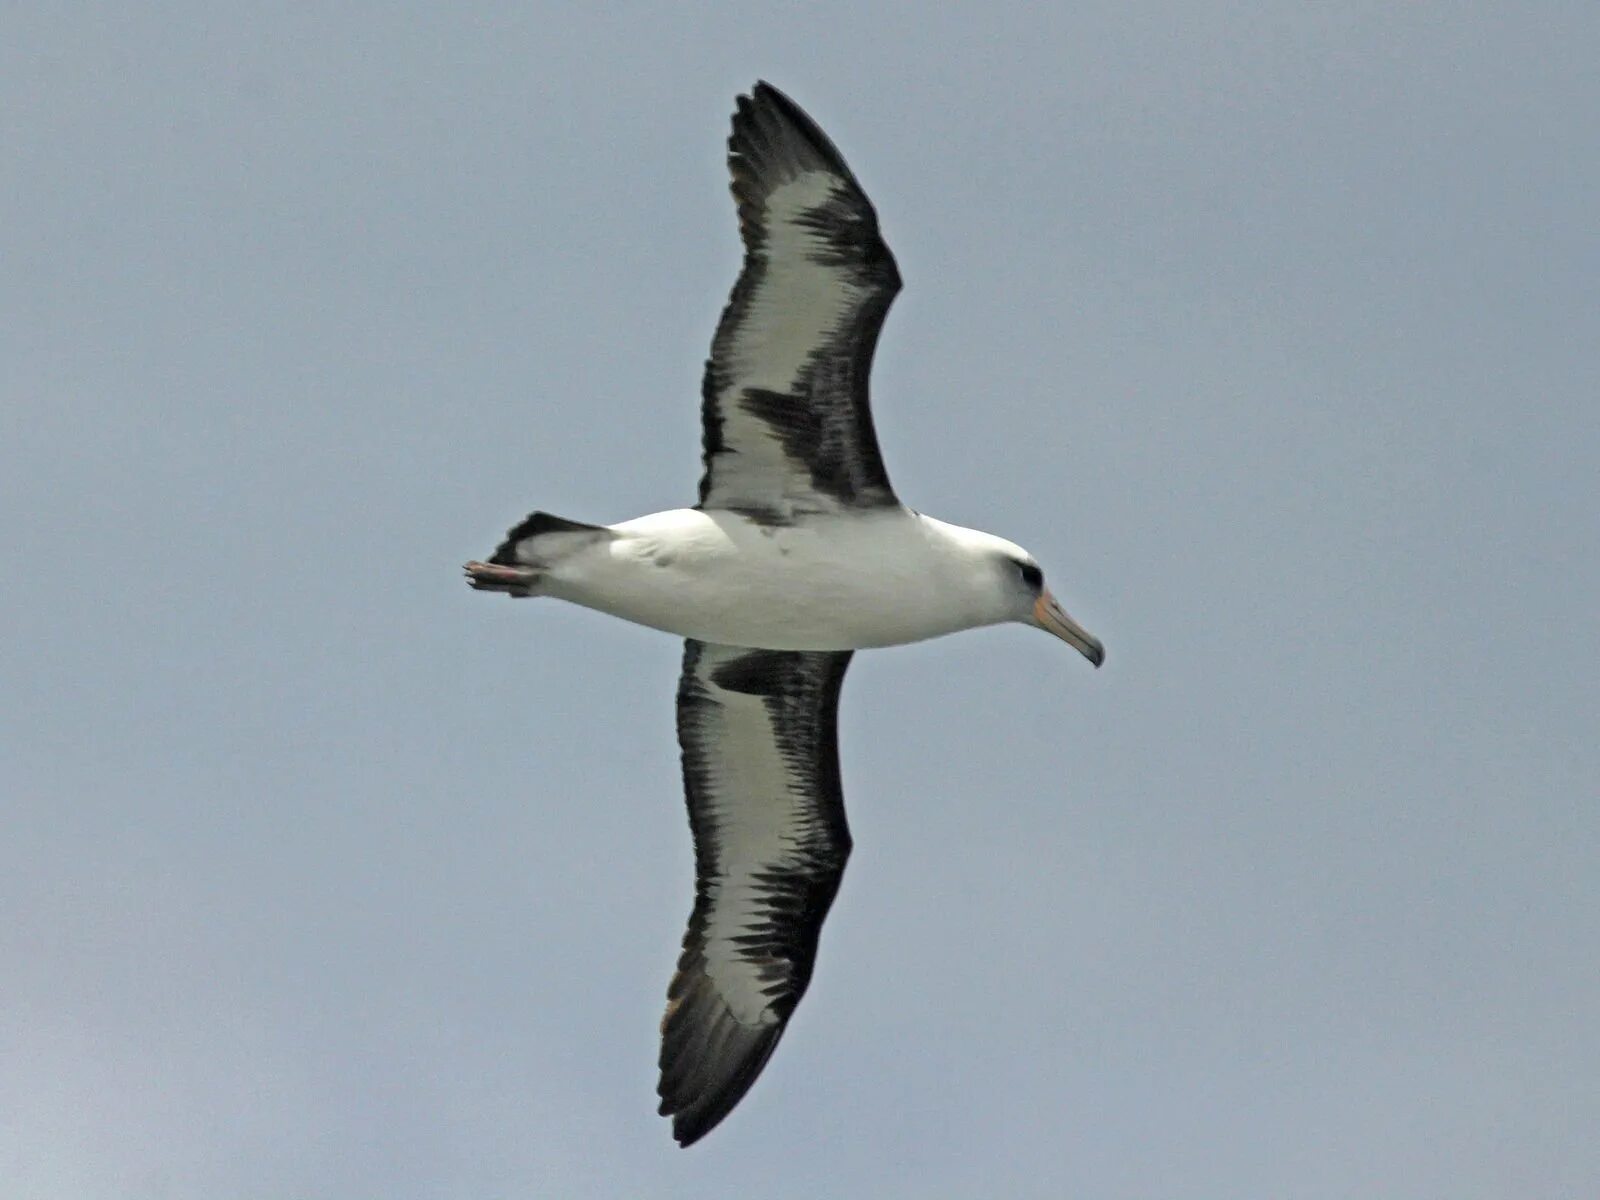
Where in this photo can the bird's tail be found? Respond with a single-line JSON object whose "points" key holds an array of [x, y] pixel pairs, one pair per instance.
{"points": [[519, 562]]}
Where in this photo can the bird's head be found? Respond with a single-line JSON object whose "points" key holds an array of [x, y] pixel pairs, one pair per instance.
{"points": [[1034, 605]]}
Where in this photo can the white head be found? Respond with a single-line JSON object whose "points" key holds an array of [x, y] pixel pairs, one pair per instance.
{"points": [[1021, 595], [1045, 611]]}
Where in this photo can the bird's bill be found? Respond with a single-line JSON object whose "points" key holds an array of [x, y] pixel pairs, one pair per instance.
{"points": [[1052, 618]]}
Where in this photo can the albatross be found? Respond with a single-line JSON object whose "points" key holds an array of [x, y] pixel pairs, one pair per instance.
{"points": [[798, 554]]}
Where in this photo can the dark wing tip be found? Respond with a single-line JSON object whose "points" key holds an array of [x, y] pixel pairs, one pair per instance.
{"points": [[774, 139], [770, 98], [709, 1060]]}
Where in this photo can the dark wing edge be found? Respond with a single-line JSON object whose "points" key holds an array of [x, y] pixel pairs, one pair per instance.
{"points": [[758, 732], [785, 409]]}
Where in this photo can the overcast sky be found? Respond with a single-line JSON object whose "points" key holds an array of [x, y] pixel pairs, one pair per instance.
{"points": [[1271, 331]]}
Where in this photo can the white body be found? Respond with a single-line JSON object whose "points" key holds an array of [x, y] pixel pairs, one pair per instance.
{"points": [[720, 577]]}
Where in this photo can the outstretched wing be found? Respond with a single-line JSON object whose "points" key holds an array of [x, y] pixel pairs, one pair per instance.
{"points": [[761, 770], [785, 406]]}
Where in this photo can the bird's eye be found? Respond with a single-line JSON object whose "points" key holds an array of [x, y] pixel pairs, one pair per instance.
{"points": [[1031, 575]]}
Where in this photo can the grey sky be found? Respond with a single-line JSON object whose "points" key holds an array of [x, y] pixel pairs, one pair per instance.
{"points": [[1270, 329]]}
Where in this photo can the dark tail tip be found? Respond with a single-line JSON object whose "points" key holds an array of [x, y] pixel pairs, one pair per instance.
{"points": [[535, 523]]}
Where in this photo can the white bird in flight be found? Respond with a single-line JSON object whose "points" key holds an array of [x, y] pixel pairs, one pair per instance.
{"points": [[798, 554]]}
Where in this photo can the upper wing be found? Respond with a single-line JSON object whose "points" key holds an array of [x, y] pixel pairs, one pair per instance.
{"points": [[785, 405], [761, 769]]}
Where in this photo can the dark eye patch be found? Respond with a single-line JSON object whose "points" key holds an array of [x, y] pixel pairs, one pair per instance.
{"points": [[1031, 575]]}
